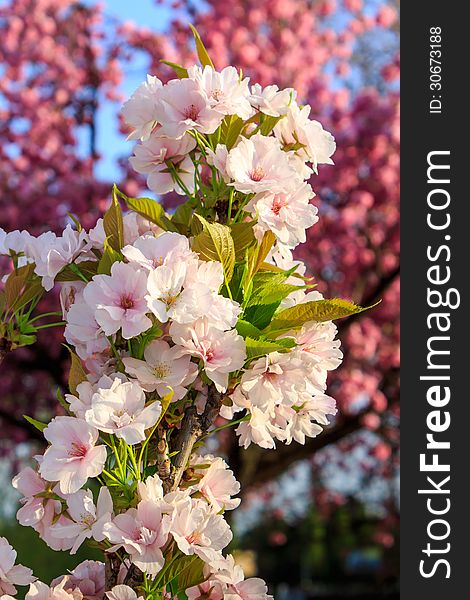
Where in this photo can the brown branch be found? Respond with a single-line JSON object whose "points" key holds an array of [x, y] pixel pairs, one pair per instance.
{"points": [[112, 565]]}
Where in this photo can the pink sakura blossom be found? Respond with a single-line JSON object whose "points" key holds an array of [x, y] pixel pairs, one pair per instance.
{"points": [[258, 164], [88, 519], [69, 292], [300, 419], [208, 590], [184, 107], [258, 429], [120, 410], [39, 512], [150, 251], [51, 253], [218, 159], [167, 299], [82, 330], [16, 241], [41, 591], [123, 592], [88, 579], [222, 352], [236, 587], [72, 456], [11, 575], [151, 157], [140, 111], [118, 300], [224, 90], [196, 529], [163, 367], [270, 100], [286, 214], [316, 145], [134, 226], [80, 403], [142, 532], [217, 483]]}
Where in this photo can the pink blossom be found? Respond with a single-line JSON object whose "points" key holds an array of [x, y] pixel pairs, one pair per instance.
{"points": [[120, 410], [142, 532], [88, 519], [82, 402], [222, 352], [150, 251], [270, 100], [123, 592], [286, 214], [167, 299], [72, 456], [11, 575], [198, 530], [224, 90], [258, 164], [151, 157], [118, 300], [41, 591], [140, 111], [88, 579], [317, 145], [163, 367], [82, 330], [184, 107], [217, 483]]}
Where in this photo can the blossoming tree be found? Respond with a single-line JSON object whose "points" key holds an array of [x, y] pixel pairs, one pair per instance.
{"points": [[174, 322]]}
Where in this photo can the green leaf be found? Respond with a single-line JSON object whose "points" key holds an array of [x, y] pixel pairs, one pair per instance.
{"points": [[181, 72], [269, 288], [77, 372], [215, 242], [149, 209], [182, 216], [202, 53], [62, 401], [243, 238], [109, 257], [17, 284], [113, 224], [246, 329], [88, 268], [316, 310], [230, 129], [37, 424], [184, 572], [260, 315], [268, 124], [257, 348]]}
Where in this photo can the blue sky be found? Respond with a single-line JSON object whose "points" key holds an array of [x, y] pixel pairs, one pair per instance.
{"points": [[111, 143]]}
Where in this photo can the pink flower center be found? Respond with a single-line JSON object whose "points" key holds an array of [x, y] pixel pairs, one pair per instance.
{"points": [[217, 94], [191, 112], [78, 450], [278, 203], [210, 355], [257, 174], [126, 302], [194, 538]]}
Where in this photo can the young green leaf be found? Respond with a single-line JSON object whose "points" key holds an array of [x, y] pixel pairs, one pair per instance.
{"points": [[202, 53], [109, 257], [215, 242], [181, 72], [113, 224], [149, 209], [257, 348], [88, 268], [243, 238], [40, 426], [316, 310], [246, 329], [77, 372]]}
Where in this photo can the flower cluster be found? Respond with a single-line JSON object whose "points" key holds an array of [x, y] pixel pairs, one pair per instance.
{"points": [[176, 322]]}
